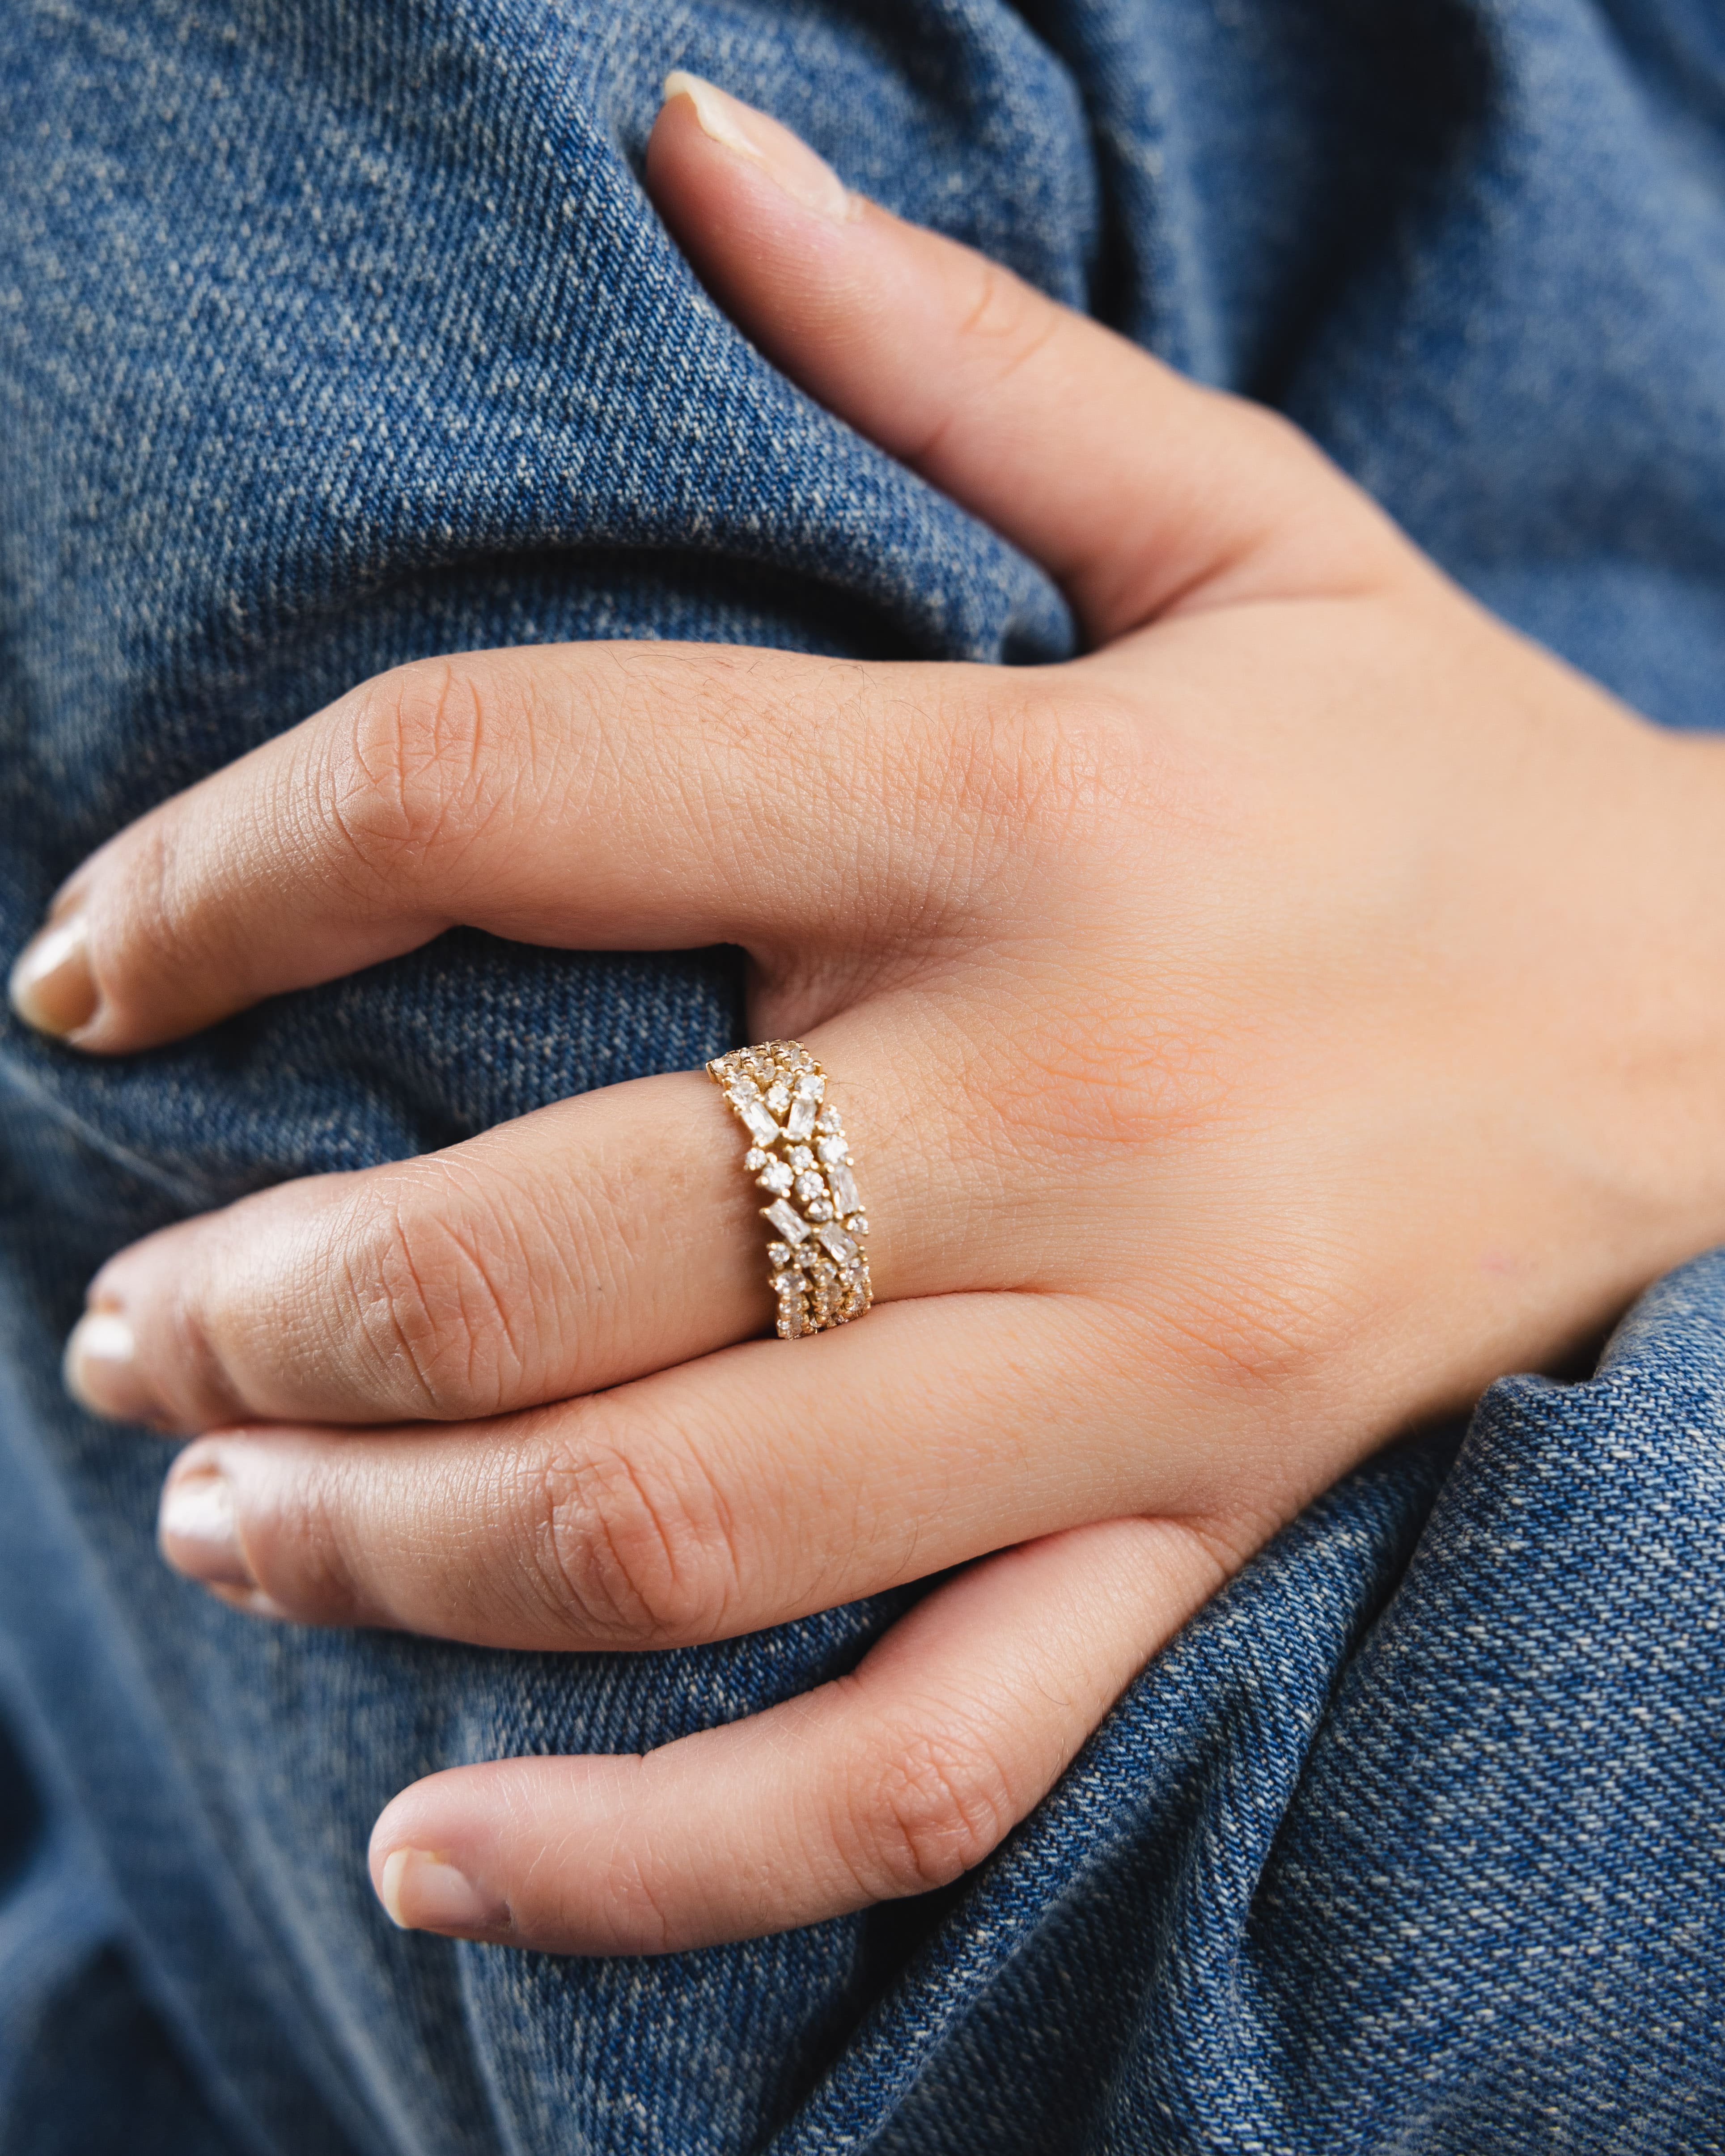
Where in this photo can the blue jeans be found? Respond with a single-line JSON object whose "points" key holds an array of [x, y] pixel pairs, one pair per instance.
{"points": [[334, 332]]}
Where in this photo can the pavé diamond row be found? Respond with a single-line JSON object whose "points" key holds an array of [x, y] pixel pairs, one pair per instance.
{"points": [[818, 1257]]}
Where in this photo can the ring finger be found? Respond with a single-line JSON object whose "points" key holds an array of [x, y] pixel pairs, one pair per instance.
{"points": [[578, 1247]]}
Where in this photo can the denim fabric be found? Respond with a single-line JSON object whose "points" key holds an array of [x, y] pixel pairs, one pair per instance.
{"points": [[334, 332]]}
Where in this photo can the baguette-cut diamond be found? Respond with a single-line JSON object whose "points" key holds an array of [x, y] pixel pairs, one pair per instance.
{"points": [[800, 1121], [789, 1221], [844, 1190], [761, 1125], [837, 1242]]}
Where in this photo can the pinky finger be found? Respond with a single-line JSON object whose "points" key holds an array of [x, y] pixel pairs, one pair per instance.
{"points": [[888, 1782]]}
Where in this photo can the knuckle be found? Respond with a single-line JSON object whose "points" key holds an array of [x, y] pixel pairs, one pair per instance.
{"points": [[634, 1551], [435, 1308], [405, 778], [1004, 319], [935, 1804]]}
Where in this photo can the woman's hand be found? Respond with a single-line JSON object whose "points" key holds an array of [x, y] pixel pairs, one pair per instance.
{"points": [[1253, 1037]]}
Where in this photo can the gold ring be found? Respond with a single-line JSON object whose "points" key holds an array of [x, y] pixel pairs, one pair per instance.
{"points": [[818, 1257]]}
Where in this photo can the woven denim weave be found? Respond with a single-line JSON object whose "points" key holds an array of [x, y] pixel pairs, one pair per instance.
{"points": [[335, 332]]}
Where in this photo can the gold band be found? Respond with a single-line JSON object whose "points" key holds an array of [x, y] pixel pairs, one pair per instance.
{"points": [[819, 1258]]}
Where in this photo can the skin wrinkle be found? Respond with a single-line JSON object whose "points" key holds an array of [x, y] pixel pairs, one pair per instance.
{"points": [[930, 1801], [635, 1572], [387, 1318], [494, 1303], [510, 1279], [419, 744], [585, 1583], [630, 1883], [200, 1375], [292, 1548], [516, 1209]]}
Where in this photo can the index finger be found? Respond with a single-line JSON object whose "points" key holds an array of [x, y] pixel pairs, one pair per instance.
{"points": [[1136, 488], [622, 797]]}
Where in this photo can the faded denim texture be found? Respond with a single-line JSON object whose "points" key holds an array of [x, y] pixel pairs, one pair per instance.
{"points": [[333, 332]]}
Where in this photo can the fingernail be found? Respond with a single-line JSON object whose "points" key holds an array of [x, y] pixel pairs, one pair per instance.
{"points": [[785, 158], [100, 1369], [51, 986], [198, 1534], [424, 1892]]}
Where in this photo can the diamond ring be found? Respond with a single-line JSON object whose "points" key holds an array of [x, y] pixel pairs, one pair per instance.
{"points": [[818, 1257]]}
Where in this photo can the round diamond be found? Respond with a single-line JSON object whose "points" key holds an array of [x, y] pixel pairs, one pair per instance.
{"points": [[817, 1210], [778, 1253], [857, 1224], [778, 1098], [754, 1159], [775, 1177], [809, 1185]]}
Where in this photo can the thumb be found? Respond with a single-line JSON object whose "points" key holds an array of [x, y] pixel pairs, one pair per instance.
{"points": [[1139, 491]]}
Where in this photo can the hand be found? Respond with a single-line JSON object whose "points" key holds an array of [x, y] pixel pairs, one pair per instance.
{"points": [[1254, 1037]]}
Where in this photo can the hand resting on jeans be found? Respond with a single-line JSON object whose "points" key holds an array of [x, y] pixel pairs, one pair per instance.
{"points": [[1253, 1036]]}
